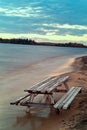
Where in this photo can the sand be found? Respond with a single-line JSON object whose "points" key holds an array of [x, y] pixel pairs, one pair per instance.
{"points": [[77, 115]]}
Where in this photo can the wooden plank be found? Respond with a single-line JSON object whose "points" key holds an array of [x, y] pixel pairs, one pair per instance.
{"points": [[50, 83], [39, 84], [47, 84], [33, 104], [66, 105], [39, 88], [66, 86], [60, 81], [61, 90], [54, 83], [44, 87], [39, 92], [59, 102], [69, 96], [66, 100], [18, 100], [51, 99]]}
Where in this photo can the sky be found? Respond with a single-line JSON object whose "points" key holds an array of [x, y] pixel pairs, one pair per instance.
{"points": [[44, 20]]}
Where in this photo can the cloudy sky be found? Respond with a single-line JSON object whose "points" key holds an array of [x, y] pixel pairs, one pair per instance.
{"points": [[44, 20]]}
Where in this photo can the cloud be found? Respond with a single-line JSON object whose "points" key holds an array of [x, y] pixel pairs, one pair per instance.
{"points": [[62, 29], [47, 31], [66, 26], [21, 11]]}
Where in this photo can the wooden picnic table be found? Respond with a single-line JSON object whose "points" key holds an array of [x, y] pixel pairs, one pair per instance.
{"points": [[47, 88]]}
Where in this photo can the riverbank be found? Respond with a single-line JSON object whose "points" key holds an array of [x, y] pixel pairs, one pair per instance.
{"points": [[77, 115]]}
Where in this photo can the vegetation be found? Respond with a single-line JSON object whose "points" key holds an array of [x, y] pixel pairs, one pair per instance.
{"points": [[32, 42]]}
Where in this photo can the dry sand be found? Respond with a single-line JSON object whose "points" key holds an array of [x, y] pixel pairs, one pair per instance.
{"points": [[77, 115]]}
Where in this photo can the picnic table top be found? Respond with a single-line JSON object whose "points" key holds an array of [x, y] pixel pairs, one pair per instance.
{"points": [[48, 85]]}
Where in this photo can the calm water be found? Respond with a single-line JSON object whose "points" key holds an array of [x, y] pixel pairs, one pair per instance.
{"points": [[22, 66]]}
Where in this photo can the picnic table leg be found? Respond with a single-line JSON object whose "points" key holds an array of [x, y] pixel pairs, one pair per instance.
{"points": [[66, 86], [32, 97], [51, 99], [47, 98]]}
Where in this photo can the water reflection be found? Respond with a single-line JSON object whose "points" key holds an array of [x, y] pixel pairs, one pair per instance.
{"points": [[37, 119]]}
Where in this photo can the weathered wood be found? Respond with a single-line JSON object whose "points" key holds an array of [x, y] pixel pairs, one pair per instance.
{"points": [[32, 97], [39, 92], [60, 81], [51, 99], [45, 86], [56, 83], [48, 85], [66, 85], [68, 97], [61, 90], [18, 100], [40, 83], [60, 101], [66, 100], [33, 104], [67, 104]]}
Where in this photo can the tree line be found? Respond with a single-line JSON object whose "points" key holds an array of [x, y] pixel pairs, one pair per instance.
{"points": [[32, 42]]}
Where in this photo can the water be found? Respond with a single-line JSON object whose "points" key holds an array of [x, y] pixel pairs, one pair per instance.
{"points": [[22, 66]]}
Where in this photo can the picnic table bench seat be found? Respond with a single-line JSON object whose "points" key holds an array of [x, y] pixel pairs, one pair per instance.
{"points": [[66, 100]]}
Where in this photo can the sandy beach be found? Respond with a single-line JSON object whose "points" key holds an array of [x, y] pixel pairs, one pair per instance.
{"points": [[76, 117]]}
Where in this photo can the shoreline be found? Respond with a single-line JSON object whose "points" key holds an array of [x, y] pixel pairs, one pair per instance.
{"points": [[78, 118]]}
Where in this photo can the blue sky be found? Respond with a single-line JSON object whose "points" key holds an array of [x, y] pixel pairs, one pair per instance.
{"points": [[44, 20]]}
